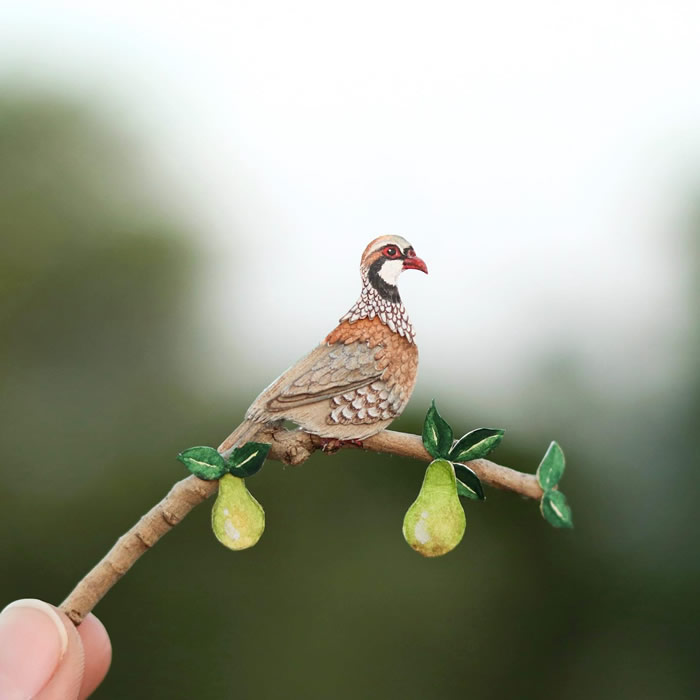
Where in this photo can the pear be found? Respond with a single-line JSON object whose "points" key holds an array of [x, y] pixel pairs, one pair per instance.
{"points": [[237, 519], [435, 523]]}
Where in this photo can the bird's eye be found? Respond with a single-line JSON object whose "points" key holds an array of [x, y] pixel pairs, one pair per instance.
{"points": [[391, 252]]}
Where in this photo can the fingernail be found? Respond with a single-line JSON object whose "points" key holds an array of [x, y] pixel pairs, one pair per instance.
{"points": [[33, 641]]}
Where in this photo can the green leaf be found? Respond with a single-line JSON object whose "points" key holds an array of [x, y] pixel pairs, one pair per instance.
{"points": [[551, 467], [555, 509], [476, 444], [468, 483], [437, 434], [248, 459], [204, 462]]}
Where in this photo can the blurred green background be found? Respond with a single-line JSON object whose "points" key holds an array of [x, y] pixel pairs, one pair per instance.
{"points": [[99, 393]]}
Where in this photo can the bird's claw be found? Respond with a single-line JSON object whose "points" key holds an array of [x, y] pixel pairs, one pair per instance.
{"points": [[331, 445]]}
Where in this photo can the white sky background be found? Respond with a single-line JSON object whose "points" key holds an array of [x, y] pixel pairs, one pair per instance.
{"points": [[540, 156]]}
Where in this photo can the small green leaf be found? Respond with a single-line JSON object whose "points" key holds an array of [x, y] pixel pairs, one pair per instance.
{"points": [[204, 462], [248, 459], [555, 509], [437, 434], [468, 483], [551, 467], [476, 444]]}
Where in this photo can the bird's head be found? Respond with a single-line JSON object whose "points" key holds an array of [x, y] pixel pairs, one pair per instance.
{"points": [[384, 259]]}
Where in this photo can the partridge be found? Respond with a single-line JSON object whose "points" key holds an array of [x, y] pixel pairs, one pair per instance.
{"points": [[360, 378]]}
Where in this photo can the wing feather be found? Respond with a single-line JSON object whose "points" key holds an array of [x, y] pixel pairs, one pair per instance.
{"points": [[327, 371]]}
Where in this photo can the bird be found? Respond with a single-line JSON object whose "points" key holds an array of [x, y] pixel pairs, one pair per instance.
{"points": [[361, 376]]}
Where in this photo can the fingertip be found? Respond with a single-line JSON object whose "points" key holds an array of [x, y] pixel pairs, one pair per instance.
{"points": [[98, 654], [67, 680], [41, 654], [33, 642], [94, 635]]}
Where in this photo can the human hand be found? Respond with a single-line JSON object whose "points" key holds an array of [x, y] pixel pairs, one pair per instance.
{"points": [[43, 656]]}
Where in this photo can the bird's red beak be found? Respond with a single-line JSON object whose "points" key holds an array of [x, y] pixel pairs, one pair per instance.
{"points": [[415, 263]]}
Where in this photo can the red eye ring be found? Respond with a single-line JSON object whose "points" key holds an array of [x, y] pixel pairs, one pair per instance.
{"points": [[391, 252]]}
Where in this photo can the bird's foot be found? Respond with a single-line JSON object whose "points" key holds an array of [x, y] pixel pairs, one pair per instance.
{"points": [[331, 445]]}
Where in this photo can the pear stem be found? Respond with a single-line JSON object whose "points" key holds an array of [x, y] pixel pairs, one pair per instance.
{"points": [[289, 447]]}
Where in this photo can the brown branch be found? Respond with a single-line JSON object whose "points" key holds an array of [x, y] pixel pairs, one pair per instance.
{"points": [[407, 445], [288, 447]]}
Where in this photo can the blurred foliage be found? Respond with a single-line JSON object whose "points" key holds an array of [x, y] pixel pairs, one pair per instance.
{"points": [[95, 405]]}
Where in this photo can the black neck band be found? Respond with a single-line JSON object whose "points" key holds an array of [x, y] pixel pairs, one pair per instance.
{"points": [[387, 291]]}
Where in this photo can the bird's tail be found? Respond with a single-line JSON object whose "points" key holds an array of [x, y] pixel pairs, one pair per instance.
{"points": [[242, 434]]}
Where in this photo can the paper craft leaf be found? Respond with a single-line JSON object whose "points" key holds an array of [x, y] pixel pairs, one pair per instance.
{"points": [[248, 459], [437, 434], [204, 462], [555, 509], [551, 467], [476, 444], [468, 483]]}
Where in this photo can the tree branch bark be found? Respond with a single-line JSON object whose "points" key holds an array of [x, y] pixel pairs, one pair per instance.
{"points": [[289, 447]]}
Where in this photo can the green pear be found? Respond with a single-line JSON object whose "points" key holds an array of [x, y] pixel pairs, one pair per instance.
{"points": [[435, 523], [237, 519]]}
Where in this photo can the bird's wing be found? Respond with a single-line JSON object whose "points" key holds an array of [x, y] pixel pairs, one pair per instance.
{"points": [[327, 371]]}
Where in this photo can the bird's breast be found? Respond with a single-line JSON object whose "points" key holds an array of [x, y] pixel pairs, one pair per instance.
{"points": [[396, 356]]}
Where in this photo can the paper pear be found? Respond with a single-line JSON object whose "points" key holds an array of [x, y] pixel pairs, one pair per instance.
{"points": [[237, 519], [435, 523]]}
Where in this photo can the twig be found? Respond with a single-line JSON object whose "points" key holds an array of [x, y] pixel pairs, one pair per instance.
{"points": [[288, 447]]}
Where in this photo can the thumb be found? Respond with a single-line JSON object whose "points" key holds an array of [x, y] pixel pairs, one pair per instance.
{"points": [[41, 654]]}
